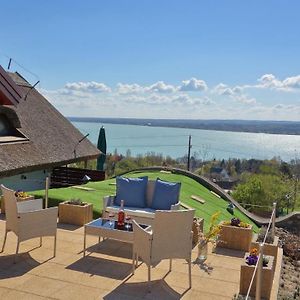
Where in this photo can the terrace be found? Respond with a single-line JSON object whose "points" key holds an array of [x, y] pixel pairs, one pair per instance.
{"points": [[105, 273]]}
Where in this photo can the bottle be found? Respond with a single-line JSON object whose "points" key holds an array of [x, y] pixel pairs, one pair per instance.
{"points": [[121, 216]]}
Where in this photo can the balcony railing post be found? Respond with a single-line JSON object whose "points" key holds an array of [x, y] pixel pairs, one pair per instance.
{"points": [[259, 272], [46, 191], [273, 221]]}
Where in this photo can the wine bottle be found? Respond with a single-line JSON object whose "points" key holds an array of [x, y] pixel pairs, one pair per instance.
{"points": [[121, 216]]}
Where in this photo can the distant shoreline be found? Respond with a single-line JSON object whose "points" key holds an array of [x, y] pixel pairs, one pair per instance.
{"points": [[271, 127]]}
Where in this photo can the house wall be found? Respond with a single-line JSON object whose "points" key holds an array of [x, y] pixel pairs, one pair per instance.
{"points": [[26, 181]]}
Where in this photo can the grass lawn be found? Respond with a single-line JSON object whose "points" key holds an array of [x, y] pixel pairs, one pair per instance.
{"points": [[188, 187]]}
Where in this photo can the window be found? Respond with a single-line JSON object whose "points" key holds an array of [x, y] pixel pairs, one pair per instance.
{"points": [[8, 133]]}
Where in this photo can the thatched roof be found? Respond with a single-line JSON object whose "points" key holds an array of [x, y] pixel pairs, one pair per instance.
{"points": [[52, 138]]}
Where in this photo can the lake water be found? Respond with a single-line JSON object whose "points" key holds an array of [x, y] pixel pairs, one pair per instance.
{"points": [[208, 144]]}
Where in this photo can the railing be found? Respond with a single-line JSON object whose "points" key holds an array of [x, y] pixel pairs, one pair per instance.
{"points": [[66, 176], [259, 265]]}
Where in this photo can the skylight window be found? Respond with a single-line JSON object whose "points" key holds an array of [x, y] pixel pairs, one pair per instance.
{"points": [[8, 133]]}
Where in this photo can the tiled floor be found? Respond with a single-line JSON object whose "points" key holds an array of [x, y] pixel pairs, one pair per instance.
{"points": [[105, 273]]}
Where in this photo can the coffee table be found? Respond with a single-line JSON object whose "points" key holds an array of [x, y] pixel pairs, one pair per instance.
{"points": [[104, 228]]}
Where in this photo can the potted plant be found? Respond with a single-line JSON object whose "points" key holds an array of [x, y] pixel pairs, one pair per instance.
{"points": [[20, 195], [235, 234], [210, 236], [75, 212], [271, 244], [247, 269]]}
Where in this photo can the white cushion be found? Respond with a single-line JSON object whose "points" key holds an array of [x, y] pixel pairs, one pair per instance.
{"points": [[134, 211]]}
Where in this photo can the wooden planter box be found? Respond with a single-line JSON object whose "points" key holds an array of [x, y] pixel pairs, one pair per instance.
{"points": [[267, 278], [18, 200], [233, 237], [75, 214], [269, 249]]}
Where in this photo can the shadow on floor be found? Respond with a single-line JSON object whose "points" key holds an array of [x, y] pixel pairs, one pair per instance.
{"points": [[15, 266], [96, 266], [112, 248], [67, 226], [157, 289], [206, 267], [229, 252]]}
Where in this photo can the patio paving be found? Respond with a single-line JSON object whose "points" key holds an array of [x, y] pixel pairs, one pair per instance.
{"points": [[105, 273]]}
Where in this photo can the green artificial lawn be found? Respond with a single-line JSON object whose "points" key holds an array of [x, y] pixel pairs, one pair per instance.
{"points": [[188, 187]]}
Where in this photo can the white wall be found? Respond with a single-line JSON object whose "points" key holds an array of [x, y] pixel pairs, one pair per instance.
{"points": [[27, 181]]}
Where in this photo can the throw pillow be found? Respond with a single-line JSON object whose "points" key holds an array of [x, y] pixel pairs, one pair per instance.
{"points": [[132, 191], [165, 194]]}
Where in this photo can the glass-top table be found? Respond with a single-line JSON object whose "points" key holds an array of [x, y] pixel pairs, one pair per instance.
{"points": [[108, 229]]}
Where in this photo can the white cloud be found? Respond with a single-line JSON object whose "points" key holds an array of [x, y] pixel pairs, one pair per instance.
{"points": [[287, 107], [292, 82], [166, 100], [192, 85], [161, 87], [129, 88], [244, 99], [235, 93], [271, 82], [91, 87], [225, 90]]}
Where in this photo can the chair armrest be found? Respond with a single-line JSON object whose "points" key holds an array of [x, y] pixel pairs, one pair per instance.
{"points": [[142, 240], [30, 205], [108, 201], [175, 206], [38, 223]]}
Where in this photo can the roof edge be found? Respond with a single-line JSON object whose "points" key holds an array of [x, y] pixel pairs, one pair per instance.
{"points": [[19, 171]]}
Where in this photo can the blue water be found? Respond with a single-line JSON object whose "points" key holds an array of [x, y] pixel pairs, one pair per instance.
{"points": [[207, 144]]}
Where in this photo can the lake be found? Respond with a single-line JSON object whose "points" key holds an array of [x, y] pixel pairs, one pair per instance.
{"points": [[208, 144]]}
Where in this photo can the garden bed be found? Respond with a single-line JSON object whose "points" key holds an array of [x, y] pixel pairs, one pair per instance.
{"points": [[233, 237]]}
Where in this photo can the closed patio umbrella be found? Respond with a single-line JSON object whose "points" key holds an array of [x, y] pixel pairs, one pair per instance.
{"points": [[102, 147]]}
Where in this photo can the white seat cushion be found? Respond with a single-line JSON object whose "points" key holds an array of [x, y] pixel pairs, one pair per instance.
{"points": [[134, 211]]}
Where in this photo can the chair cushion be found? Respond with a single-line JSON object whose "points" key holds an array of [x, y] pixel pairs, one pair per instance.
{"points": [[133, 211], [132, 191], [165, 194]]}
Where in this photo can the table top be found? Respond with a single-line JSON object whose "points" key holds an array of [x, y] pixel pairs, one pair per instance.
{"points": [[106, 224]]}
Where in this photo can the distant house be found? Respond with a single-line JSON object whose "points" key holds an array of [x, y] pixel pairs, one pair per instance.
{"points": [[34, 136], [218, 173]]}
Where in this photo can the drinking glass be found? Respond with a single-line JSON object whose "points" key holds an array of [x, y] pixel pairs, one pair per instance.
{"points": [[127, 225], [111, 221]]}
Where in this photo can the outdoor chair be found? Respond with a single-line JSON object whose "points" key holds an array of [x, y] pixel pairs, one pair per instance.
{"points": [[28, 219], [170, 237]]}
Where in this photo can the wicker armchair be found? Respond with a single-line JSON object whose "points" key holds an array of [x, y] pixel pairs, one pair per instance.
{"points": [[28, 219], [171, 237]]}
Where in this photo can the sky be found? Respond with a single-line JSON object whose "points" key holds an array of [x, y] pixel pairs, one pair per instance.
{"points": [[158, 59]]}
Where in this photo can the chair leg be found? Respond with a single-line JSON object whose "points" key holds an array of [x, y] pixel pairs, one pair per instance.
{"points": [[149, 274], [17, 251], [136, 260], [170, 267], [84, 243], [5, 236], [41, 241], [133, 262], [190, 272], [18, 244], [54, 251]]}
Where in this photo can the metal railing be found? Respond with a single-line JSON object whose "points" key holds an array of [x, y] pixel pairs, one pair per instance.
{"points": [[259, 265]]}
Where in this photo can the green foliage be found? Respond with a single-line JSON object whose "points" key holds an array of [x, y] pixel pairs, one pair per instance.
{"points": [[262, 189]]}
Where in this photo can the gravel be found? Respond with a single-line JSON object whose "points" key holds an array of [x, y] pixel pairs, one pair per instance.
{"points": [[289, 286]]}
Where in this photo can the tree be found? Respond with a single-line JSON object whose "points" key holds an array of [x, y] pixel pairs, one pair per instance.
{"points": [[238, 166], [262, 190]]}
